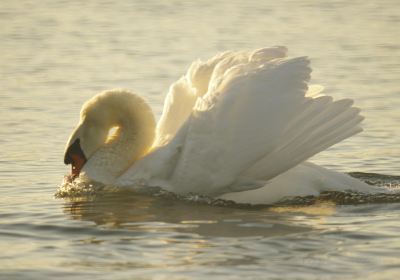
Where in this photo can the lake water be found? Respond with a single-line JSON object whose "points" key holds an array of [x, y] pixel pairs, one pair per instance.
{"points": [[56, 54]]}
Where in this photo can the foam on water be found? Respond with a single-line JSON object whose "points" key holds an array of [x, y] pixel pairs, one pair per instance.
{"points": [[77, 189]]}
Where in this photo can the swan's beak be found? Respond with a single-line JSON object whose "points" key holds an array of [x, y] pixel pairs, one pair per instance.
{"points": [[75, 156]]}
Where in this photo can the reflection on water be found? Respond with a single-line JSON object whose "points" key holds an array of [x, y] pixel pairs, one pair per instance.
{"points": [[153, 209], [174, 233], [129, 210]]}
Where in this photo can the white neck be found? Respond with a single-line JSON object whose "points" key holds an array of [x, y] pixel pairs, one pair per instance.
{"points": [[134, 137]]}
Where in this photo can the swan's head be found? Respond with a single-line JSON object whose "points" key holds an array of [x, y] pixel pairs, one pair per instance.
{"points": [[90, 134], [96, 128]]}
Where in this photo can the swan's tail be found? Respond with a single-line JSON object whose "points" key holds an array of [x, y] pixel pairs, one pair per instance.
{"points": [[320, 124]]}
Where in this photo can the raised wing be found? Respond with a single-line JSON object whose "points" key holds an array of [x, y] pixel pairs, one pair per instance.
{"points": [[178, 105], [189, 110], [239, 120], [255, 123], [183, 94]]}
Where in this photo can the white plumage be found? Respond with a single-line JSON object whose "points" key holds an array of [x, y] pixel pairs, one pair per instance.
{"points": [[238, 126]]}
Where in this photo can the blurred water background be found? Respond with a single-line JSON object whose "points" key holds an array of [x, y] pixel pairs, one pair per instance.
{"points": [[56, 54]]}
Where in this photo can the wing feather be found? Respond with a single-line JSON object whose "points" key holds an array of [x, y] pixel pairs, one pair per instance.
{"points": [[183, 94], [239, 122], [240, 119], [182, 97]]}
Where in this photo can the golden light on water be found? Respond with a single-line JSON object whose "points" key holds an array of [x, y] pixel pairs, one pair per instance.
{"points": [[325, 208]]}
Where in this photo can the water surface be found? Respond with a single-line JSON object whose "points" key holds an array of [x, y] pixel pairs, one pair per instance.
{"points": [[56, 54]]}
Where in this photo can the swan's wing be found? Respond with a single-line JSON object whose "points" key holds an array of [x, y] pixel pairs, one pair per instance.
{"points": [[182, 96], [184, 93], [183, 117], [321, 124], [256, 115], [178, 105]]}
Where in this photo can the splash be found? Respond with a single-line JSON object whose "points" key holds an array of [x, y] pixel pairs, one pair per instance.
{"points": [[78, 189], [388, 181]]}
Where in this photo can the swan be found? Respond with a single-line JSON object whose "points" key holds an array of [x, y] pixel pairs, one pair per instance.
{"points": [[239, 126]]}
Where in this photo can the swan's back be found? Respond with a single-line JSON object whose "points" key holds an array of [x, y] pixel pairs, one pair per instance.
{"points": [[240, 119]]}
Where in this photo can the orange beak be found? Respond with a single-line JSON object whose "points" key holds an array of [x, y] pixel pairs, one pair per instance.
{"points": [[75, 156], [77, 164]]}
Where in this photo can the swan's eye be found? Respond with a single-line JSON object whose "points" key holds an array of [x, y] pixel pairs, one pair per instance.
{"points": [[113, 133]]}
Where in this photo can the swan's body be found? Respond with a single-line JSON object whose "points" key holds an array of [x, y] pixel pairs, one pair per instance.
{"points": [[238, 126]]}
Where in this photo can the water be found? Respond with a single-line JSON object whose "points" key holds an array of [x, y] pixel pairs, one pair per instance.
{"points": [[56, 54]]}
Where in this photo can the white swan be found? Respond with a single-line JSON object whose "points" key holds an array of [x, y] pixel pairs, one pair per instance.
{"points": [[238, 126]]}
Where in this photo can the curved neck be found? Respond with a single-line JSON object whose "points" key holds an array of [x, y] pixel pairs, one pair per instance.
{"points": [[131, 140]]}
